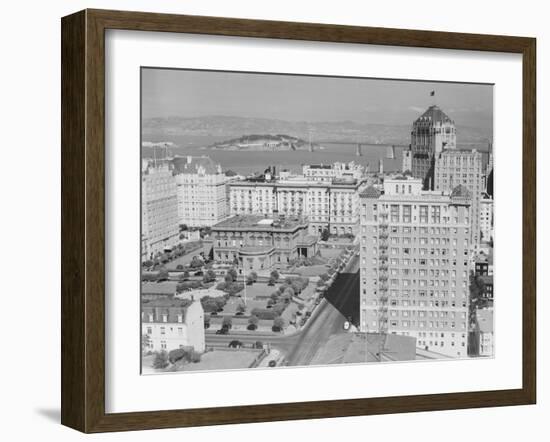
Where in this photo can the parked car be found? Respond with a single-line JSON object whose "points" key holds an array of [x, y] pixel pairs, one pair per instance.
{"points": [[272, 363], [222, 331], [346, 325], [199, 273], [235, 344]]}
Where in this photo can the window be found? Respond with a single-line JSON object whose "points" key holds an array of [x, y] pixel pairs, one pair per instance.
{"points": [[394, 213], [424, 214], [406, 213]]}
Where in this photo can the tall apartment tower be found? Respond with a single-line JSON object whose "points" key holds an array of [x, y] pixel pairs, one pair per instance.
{"points": [[159, 210], [432, 132], [414, 264], [462, 167]]}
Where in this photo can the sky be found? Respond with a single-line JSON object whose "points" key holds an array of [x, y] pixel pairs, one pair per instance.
{"points": [[188, 93]]}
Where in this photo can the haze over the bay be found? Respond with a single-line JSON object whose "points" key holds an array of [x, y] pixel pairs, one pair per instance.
{"points": [[184, 94]]}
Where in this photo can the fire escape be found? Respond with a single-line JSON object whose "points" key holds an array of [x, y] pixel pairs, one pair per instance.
{"points": [[382, 312]]}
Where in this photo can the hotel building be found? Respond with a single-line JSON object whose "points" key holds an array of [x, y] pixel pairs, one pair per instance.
{"points": [[432, 132], [414, 264], [462, 167], [259, 243], [201, 191], [486, 217], [327, 204], [173, 323], [159, 212], [338, 170]]}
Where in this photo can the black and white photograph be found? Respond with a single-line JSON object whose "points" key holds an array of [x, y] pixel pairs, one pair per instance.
{"points": [[298, 220]]}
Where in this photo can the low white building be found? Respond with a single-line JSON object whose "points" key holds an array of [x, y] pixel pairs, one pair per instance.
{"points": [[174, 323], [486, 217], [485, 334]]}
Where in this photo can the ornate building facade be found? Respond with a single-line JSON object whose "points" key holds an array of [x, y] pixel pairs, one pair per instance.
{"points": [[432, 132], [159, 213], [201, 191], [414, 264]]}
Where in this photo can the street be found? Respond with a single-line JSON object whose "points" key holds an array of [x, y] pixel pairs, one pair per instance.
{"points": [[341, 301]]}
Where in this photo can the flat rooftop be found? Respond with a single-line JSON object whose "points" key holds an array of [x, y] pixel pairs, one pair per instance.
{"points": [[258, 222]]}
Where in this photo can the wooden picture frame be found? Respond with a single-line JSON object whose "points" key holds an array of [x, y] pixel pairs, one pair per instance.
{"points": [[83, 220]]}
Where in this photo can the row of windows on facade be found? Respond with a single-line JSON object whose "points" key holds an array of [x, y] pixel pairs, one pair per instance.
{"points": [[413, 239], [421, 251], [424, 282], [407, 216], [419, 230], [425, 314], [434, 273], [422, 261], [164, 318], [422, 324], [407, 294]]}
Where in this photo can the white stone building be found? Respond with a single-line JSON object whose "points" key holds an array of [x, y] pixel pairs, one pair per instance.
{"points": [[174, 323], [486, 217], [457, 166], [333, 205], [484, 332], [159, 213], [329, 172], [201, 191], [414, 264]]}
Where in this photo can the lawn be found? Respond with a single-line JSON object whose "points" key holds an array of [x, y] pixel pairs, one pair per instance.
{"points": [[329, 253], [311, 270], [223, 360], [258, 289]]}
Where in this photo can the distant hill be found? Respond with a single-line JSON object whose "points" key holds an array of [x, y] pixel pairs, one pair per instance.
{"points": [[211, 131]]}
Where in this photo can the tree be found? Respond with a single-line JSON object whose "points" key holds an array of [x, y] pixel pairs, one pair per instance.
{"points": [[148, 263], [209, 276], [176, 355], [145, 342], [241, 308], [323, 277], [227, 322], [228, 278], [196, 262], [254, 276], [162, 274], [325, 235], [179, 267], [252, 323], [278, 324], [274, 275], [233, 273], [289, 292], [186, 274], [161, 360]]}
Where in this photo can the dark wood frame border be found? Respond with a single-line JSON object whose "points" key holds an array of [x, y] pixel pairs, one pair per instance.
{"points": [[83, 216]]}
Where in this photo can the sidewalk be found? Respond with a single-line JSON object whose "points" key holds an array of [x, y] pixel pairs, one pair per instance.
{"points": [[274, 355]]}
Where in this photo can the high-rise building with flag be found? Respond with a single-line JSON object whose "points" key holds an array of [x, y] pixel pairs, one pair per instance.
{"points": [[431, 133]]}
